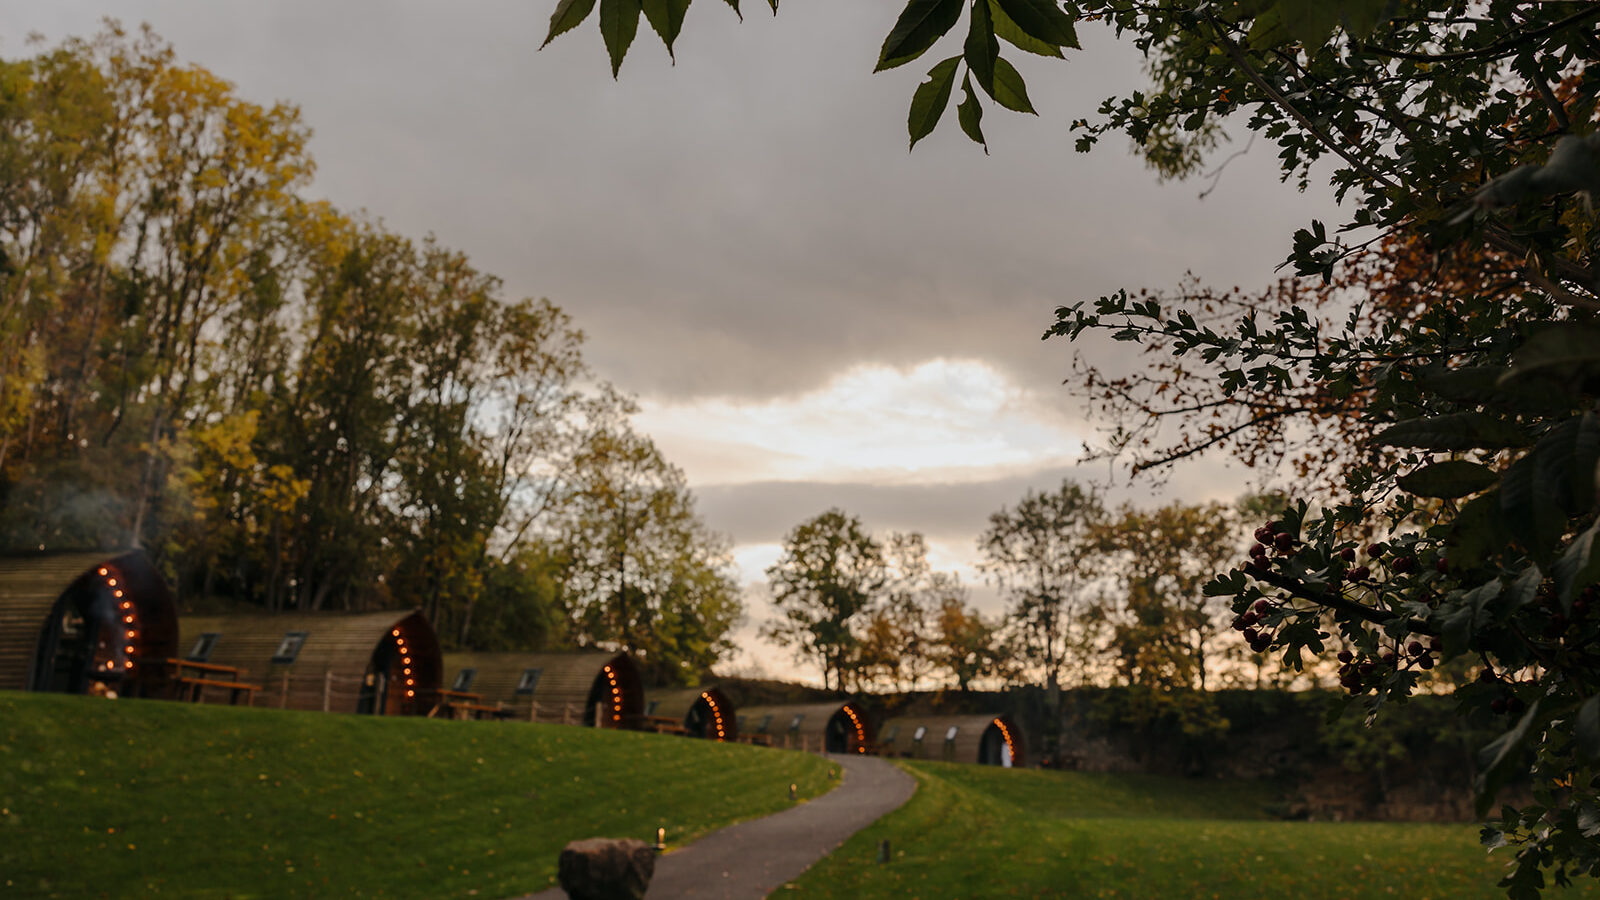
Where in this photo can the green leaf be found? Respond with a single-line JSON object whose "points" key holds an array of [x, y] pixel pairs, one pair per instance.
{"points": [[932, 96], [1499, 759], [1006, 29], [619, 22], [921, 23], [1042, 20], [1453, 431], [1311, 22], [1009, 89], [1530, 507], [1468, 384], [981, 49], [1586, 730], [735, 5], [1577, 568], [1565, 350], [1269, 30], [666, 17], [970, 114], [1449, 479], [1478, 531], [569, 14]]}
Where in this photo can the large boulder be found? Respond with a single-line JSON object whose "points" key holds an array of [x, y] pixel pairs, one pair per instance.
{"points": [[606, 869]]}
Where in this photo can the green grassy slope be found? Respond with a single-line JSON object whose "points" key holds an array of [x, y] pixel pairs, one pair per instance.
{"points": [[154, 799], [974, 832]]}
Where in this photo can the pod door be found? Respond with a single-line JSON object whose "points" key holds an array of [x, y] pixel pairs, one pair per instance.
{"points": [[102, 637]]}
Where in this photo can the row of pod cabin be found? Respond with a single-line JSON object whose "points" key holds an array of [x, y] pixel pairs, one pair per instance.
{"points": [[601, 689], [985, 740], [107, 623], [85, 623]]}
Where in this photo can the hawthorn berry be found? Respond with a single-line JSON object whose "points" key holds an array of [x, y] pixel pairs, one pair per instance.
{"points": [[1284, 542], [1359, 573], [1441, 565], [1375, 550], [1415, 648], [1346, 656], [1404, 564], [1257, 550], [1261, 607], [1348, 554]]}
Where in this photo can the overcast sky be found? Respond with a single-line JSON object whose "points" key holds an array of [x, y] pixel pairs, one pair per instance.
{"points": [[810, 315]]}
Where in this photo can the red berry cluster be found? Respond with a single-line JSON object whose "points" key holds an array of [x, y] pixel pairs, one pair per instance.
{"points": [[1505, 701], [1248, 622], [1354, 676]]}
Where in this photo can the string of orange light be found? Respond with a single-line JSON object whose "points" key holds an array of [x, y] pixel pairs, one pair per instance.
{"points": [[129, 617], [716, 715]]}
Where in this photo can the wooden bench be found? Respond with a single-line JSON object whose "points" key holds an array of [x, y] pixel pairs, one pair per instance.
{"points": [[197, 688], [477, 710], [210, 675]]}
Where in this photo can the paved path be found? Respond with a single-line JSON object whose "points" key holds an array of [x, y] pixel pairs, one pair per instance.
{"points": [[749, 860]]}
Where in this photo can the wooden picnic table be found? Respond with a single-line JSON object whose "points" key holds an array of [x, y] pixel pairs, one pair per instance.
{"points": [[468, 702], [656, 724], [210, 675]]}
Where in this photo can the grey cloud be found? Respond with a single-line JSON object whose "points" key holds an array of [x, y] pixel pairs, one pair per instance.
{"points": [[763, 512], [747, 222]]}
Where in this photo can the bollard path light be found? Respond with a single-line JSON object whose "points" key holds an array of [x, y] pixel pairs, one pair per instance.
{"points": [[794, 791], [883, 851], [661, 840]]}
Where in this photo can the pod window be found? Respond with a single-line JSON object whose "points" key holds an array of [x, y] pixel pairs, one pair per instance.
{"points": [[528, 681], [203, 645], [289, 647]]}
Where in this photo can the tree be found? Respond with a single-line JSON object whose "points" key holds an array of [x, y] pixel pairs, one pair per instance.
{"points": [[1164, 626], [968, 645], [640, 571], [1465, 128], [1043, 553], [831, 572]]}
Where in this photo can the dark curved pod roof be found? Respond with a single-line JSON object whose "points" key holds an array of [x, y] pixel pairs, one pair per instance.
{"points": [[701, 710], [341, 662], [563, 684], [37, 590], [977, 739], [818, 725]]}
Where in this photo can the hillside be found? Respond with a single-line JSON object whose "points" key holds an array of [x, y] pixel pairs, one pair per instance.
{"points": [[974, 831], [157, 799]]}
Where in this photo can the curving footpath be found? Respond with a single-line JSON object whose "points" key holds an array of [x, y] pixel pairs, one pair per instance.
{"points": [[750, 860]]}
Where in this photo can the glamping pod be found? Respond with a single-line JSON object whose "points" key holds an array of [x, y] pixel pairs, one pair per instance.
{"points": [[700, 712], [988, 740], [85, 623], [837, 727], [599, 688], [380, 663]]}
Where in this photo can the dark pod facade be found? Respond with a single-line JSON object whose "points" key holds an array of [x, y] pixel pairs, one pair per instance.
{"points": [[85, 623], [599, 689], [987, 740], [703, 712], [836, 727]]}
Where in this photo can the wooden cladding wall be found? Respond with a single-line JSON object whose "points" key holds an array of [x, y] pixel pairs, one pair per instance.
{"points": [[897, 737], [562, 688], [331, 667], [777, 722]]}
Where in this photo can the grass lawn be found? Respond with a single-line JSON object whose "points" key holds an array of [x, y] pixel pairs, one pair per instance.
{"points": [[158, 799], [973, 831]]}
